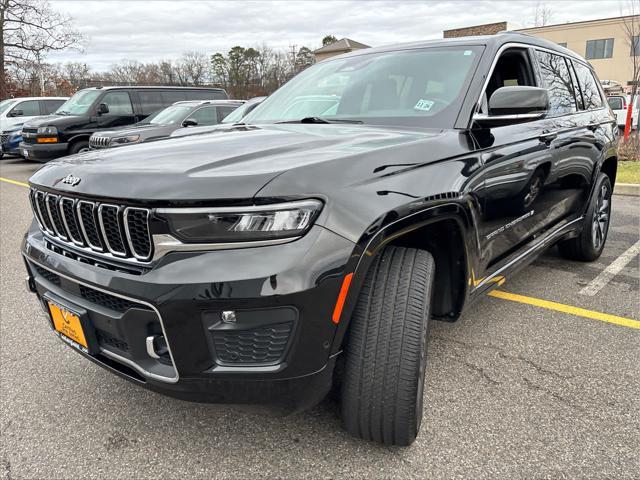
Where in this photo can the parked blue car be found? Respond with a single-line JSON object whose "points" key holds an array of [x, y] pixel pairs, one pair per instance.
{"points": [[11, 140]]}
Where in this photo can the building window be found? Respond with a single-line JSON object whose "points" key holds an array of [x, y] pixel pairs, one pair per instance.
{"points": [[602, 48], [635, 46], [563, 44]]}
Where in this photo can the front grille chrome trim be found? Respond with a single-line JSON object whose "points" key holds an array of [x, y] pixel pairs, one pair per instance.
{"points": [[95, 248], [103, 230], [79, 242], [56, 205], [125, 221], [45, 219]]}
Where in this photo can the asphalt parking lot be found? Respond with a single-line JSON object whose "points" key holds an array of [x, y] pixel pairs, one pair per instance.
{"points": [[514, 390]]}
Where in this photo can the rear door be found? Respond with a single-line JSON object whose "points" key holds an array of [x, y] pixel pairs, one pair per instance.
{"points": [[49, 107]]}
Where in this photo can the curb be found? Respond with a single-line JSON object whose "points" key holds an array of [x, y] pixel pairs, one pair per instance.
{"points": [[631, 189]]}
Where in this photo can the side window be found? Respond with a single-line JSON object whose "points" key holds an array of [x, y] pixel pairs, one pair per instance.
{"points": [[205, 116], [616, 103], [50, 106], [200, 95], [172, 96], [29, 108], [590, 91], [513, 68], [224, 111], [150, 101], [119, 103], [557, 80]]}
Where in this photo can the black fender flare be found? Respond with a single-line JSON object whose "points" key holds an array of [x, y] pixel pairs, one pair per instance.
{"points": [[387, 229]]}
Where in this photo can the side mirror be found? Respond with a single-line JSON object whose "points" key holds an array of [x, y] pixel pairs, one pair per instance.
{"points": [[189, 123], [510, 105], [103, 108], [16, 113]]}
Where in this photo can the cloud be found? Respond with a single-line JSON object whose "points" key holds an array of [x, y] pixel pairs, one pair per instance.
{"points": [[154, 30]]}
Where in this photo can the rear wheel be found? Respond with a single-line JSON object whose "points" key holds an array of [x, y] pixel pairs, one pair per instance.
{"points": [[588, 246], [386, 349], [79, 147]]}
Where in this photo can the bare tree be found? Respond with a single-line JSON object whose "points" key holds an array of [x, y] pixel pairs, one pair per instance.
{"points": [[631, 26], [30, 29], [193, 68], [542, 15]]}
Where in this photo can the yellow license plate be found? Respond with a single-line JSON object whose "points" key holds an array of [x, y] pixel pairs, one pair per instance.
{"points": [[68, 324]]}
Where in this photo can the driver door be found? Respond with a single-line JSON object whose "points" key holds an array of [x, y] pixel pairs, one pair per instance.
{"points": [[517, 161], [120, 110]]}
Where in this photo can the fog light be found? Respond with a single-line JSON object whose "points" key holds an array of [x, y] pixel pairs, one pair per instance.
{"points": [[229, 316]]}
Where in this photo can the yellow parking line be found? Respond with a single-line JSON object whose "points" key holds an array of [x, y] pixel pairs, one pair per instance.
{"points": [[14, 182], [560, 307]]}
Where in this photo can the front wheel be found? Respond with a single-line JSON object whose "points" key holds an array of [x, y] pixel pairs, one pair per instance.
{"points": [[386, 348], [588, 246], [79, 147]]}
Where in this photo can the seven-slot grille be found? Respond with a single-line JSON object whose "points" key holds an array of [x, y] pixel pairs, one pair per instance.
{"points": [[98, 142], [101, 227]]}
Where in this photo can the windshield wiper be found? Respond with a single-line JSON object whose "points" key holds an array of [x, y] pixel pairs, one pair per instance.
{"points": [[63, 112], [322, 120]]}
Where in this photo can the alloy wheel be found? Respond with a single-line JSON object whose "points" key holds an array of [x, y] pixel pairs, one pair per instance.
{"points": [[600, 221]]}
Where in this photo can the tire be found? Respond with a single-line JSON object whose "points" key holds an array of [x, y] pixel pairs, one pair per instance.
{"points": [[588, 246], [386, 348], [79, 146]]}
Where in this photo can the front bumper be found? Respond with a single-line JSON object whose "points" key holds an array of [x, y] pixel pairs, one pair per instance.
{"points": [[276, 354], [44, 151]]}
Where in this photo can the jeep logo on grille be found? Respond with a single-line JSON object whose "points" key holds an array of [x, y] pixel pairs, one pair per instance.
{"points": [[71, 180]]}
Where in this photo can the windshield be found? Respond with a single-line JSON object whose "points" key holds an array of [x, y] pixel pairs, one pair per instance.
{"points": [[170, 115], [412, 87], [5, 104], [78, 104], [238, 113]]}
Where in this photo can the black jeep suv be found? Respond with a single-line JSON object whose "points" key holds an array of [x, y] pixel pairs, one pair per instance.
{"points": [[312, 244]]}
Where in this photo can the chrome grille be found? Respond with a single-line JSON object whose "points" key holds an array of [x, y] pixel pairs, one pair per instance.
{"points": [[105, 229], [98, 142]]}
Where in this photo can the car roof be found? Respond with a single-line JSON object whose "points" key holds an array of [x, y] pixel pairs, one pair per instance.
{"points": [[38, 98], [195, 103], [495, 41], [153, 87]]}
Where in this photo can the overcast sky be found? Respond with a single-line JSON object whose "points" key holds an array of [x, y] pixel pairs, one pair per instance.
{"points": [[149, 30]]}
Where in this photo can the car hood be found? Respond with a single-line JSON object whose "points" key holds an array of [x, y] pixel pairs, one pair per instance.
{"points": [[145, 130], [54, 120], [230, 166]]}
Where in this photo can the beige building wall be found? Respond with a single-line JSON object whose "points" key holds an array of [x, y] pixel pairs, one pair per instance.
{"points": [[619, 67]]}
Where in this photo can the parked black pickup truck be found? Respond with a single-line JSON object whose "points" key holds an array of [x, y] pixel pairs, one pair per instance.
{"points": [[312, 244], [101, 108]]}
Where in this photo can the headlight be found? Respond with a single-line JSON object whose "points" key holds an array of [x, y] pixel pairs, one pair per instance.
{"points": [[47, 131], [242, 224], [123, 140]]}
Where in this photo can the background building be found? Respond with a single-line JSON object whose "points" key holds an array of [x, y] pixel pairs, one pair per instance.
{"points": [[606, 43], [344, 45]]}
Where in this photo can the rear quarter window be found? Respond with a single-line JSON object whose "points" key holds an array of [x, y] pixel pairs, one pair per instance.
{"points": [[590, 91]]}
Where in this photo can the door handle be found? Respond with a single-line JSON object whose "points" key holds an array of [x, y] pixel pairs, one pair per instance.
{"points": [[548, 137]]}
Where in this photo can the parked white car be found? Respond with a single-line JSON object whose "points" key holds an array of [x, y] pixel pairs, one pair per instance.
{"points": [[619, 104], [16, 111]]}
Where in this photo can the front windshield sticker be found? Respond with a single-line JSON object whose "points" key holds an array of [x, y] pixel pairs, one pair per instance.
{"points": [[424, 105]]}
